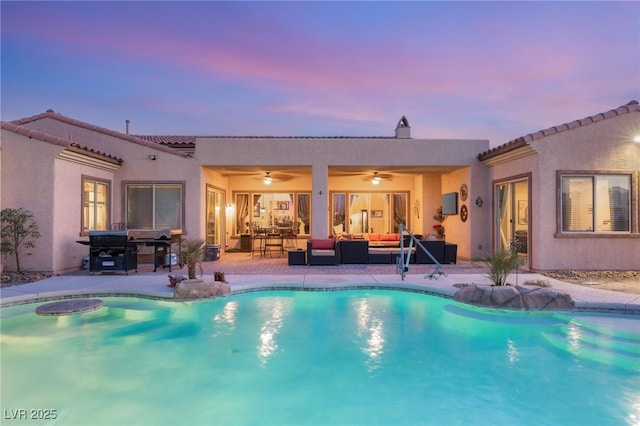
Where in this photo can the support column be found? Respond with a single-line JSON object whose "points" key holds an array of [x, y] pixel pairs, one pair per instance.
{"points": [[320, 200]]}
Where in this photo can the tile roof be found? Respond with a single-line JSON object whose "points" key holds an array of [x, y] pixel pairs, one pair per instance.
{"points": [[191, 140], [524, 140], [66, 143], [130, 138], [169, 140]]}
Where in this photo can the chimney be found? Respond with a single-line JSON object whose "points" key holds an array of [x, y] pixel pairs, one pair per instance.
{"points": [[403, 130], [127, 127]]}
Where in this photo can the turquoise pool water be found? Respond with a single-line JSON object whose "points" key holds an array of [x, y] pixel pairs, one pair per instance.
{"points": [[318, 358]]}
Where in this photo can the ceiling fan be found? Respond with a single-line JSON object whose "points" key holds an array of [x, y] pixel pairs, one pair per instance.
{"points": [[378, 177], [269, 177]]}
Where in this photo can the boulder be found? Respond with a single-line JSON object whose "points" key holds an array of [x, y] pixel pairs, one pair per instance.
{"points": [[532, 298], [199, 289]]}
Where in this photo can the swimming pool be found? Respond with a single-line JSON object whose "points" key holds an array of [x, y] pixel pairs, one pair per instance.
{"points": [[359, 357]]}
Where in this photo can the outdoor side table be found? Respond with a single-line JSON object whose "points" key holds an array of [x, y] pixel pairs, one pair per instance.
{"points": [[297, 257]]}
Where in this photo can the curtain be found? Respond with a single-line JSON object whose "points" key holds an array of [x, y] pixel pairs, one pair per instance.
{"points": [[304, 211], [242, 203], [399, 211]]}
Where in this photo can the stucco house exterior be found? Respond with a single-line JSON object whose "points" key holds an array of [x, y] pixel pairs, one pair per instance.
{"points": [[570, 192], [77, 177]]}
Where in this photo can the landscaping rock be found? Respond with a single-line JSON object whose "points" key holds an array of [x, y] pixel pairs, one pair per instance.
{"points": [[199, 289], [532, 298]]}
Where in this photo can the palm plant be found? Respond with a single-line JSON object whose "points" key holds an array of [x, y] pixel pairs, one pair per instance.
{"points": [[192, 252], [501, 264]]}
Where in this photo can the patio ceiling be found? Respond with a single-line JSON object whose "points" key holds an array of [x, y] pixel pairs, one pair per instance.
{"points": [[334, 171]]}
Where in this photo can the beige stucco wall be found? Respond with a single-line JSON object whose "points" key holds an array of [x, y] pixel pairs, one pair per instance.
{"points": [[320, 154], [606, 145], [57, 182], [34, 192]]}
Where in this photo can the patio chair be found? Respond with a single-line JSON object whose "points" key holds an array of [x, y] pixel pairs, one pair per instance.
{"points": [[323, 251]]}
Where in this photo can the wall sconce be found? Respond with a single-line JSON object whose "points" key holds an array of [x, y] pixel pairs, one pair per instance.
{"points": [[479, 201], [153, 157]]}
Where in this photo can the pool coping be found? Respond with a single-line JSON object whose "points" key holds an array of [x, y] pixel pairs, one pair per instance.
{"points": [[155, 287]]}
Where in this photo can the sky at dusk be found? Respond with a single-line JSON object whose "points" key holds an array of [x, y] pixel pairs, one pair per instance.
{"points": [[479, 70]]}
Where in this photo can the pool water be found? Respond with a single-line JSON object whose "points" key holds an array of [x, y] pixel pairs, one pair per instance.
{"points": [[319, 358]]}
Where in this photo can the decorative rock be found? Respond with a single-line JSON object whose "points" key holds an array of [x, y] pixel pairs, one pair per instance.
{"points": [[68, 307], [535, 298], [199, 289]]}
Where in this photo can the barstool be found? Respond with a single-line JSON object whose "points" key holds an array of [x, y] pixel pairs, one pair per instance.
{"points": [[273, 243], [289, 239], [258, 241]]}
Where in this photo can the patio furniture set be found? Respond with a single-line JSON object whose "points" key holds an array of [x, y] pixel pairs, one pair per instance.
{"points": [[330, 251]]}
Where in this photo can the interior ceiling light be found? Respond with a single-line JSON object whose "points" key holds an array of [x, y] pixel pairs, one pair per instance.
{"points": [[267, 179], [376, 179]]}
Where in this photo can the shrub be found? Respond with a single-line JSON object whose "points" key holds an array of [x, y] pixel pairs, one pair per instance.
{"points": [[19, 229], [501, 264]]}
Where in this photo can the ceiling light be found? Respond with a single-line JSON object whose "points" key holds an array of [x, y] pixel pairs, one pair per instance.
{"points": [[376, 179], [267, 179]]}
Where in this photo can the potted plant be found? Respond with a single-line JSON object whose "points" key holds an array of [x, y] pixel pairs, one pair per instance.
{"points": [[192, 253]]}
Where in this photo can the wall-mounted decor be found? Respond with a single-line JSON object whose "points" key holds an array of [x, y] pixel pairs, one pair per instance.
{"points": [[464, 192], [523, 212], [464, 213], [282, 205], [376, 213]]}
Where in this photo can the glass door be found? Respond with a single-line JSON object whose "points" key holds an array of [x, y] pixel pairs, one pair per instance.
{"points": [[512, 221], [215, 210]]}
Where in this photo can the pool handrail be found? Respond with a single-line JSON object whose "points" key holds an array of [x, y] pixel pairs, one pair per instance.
{"points": [[402, 264]]}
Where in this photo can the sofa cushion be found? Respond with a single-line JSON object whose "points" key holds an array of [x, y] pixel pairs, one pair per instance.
{"points": [[323, 252], [322, 244], [389, 237]]}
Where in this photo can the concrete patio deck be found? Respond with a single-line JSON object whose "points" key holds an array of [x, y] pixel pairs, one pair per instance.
{"points": [[244, 273]]}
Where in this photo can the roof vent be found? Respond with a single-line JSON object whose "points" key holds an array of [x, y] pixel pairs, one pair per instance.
{"points": [[403, 130]]}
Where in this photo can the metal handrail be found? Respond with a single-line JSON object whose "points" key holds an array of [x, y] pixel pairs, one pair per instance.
{"points": [[402, 264]]}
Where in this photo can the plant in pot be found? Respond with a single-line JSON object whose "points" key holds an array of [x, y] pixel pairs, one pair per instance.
{"points": [[192, 252]]}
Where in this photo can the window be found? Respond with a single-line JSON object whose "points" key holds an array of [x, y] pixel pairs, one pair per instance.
{"points": [[596, 203], [154, 206], [356, 212], [273, 209], [95, 204]]}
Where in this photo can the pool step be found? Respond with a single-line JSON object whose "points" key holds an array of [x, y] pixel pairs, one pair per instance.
{"points": [[603, 347], [134, 322], [148, 331]]}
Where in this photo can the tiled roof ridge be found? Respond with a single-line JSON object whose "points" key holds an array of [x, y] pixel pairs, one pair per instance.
{"points": [[192, 139], [56, 140], [523, 140], [57, 116]]}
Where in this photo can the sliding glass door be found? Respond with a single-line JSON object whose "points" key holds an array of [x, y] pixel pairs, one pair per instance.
{"points": [[512, 221]]}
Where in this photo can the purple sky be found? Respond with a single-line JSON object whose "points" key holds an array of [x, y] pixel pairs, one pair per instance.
{"points": [[482, 70]]}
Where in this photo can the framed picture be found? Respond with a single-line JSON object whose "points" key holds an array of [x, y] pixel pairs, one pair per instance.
{"points": [[523, 212], [376, 213], [282, 205], [256, 210]]}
